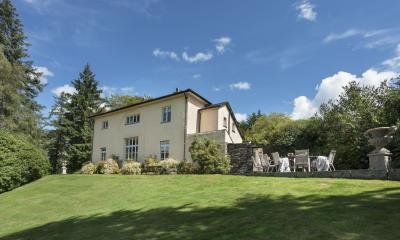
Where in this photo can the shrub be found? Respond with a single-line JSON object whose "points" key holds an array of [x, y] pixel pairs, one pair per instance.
{"points": [[20, 161], [108, 166], [151, 161], [130, 168], [169, 166], [210, 156], [88, 168], [188, 167], [151, 164]]}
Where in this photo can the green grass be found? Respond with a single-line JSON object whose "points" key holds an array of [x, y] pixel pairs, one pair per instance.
{"points": [[200, 207]]}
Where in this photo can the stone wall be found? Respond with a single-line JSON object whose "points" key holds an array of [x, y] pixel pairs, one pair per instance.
{"points": [[240, 155], [393, 174]]}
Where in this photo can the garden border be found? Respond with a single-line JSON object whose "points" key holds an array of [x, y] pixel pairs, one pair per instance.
{"points": [[393, 174]]}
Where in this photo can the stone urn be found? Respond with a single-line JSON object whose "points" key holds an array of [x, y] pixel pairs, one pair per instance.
{"points": [[379, 158]]}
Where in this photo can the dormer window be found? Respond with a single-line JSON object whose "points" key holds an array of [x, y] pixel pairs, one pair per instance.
{"points": [[132, 119], [225, 123], [105, 125]]}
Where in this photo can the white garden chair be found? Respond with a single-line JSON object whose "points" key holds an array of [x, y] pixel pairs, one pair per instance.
{"points": [[330, 160], [274, 163], [302, 160]]}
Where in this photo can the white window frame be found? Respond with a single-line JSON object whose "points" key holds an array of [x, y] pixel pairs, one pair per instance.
{"points": [[166, 114], [164, 149], [131, 148], [132, 119], [233, 127], [103, 153], [105, 124]]}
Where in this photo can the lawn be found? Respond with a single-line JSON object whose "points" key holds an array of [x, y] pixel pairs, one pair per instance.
{"points": [[200, 207]]}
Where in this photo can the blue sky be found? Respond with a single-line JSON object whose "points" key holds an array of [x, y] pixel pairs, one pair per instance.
{"points": [[276, 56]]}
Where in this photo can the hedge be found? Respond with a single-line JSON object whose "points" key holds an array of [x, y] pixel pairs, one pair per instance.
{"points": [[20, 161]]}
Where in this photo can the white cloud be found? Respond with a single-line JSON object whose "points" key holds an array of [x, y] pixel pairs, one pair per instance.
{"points": [[198, 57], [374, 34], [306, 10], [331, 87], [45, 73], [241, 86], [196, 76], [165, 54], [109, 90], [338, 36], [241, 117], [64, 89], [221, 43], [394, 62], [216, 89]]}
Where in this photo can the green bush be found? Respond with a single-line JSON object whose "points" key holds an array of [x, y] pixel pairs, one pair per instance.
{"points": [[108, 166], [20, 161], [88, 168], [169, 166], [188, 167], [151, 164], [210, 156], [130, 168]]}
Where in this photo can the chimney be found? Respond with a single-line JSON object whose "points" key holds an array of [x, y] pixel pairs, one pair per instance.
{"points": [[176, 89]]}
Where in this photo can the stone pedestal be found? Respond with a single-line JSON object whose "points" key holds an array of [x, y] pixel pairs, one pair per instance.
{"points": [[64, 170], [379, 161]]}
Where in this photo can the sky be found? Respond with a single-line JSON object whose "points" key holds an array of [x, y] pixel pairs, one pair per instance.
{"points": [[274, 56]]}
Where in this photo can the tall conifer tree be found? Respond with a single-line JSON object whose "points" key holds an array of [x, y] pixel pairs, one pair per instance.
{"points": [[25, 116]]}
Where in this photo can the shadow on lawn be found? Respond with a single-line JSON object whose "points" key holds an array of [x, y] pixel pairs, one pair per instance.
{"points": [[370, 215]]}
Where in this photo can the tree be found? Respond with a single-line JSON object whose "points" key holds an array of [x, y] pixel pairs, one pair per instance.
{"points": [[25, 78], [59, 135], [73, 127], [345, 120], [117, 101], [391, 116], [84, 103], [249, 122], [264, 127]]}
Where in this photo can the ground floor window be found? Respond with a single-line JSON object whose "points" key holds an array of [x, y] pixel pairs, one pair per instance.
{"points": [[103, 152], [131, 148], [164, 149]]}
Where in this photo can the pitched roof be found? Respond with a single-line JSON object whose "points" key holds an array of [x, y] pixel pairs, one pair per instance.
{"points": [[218, 105], [153, 100]]}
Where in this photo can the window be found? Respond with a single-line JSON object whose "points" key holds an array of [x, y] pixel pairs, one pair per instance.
{"points": [[233, 127], [225, 123], [103, 152], [133, 119], [131, 148], [166, 114], [105, 124], [164, 150]]}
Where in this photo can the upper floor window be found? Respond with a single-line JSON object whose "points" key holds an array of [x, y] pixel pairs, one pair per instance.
{"points": [[105, 125], [233, 127], [132, 119], [131, 148], [103, 153], [166, 114], [164, 150], [225, 123]]}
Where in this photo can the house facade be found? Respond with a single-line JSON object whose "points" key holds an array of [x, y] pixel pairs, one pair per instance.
{"points": [[164, 127]]}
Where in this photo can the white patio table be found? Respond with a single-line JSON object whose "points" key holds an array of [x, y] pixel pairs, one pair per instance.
{"points": [[284, 167], [322, 163]]}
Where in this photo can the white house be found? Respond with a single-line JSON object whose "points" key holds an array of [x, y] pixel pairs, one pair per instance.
{"points": [[163, 126]]}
